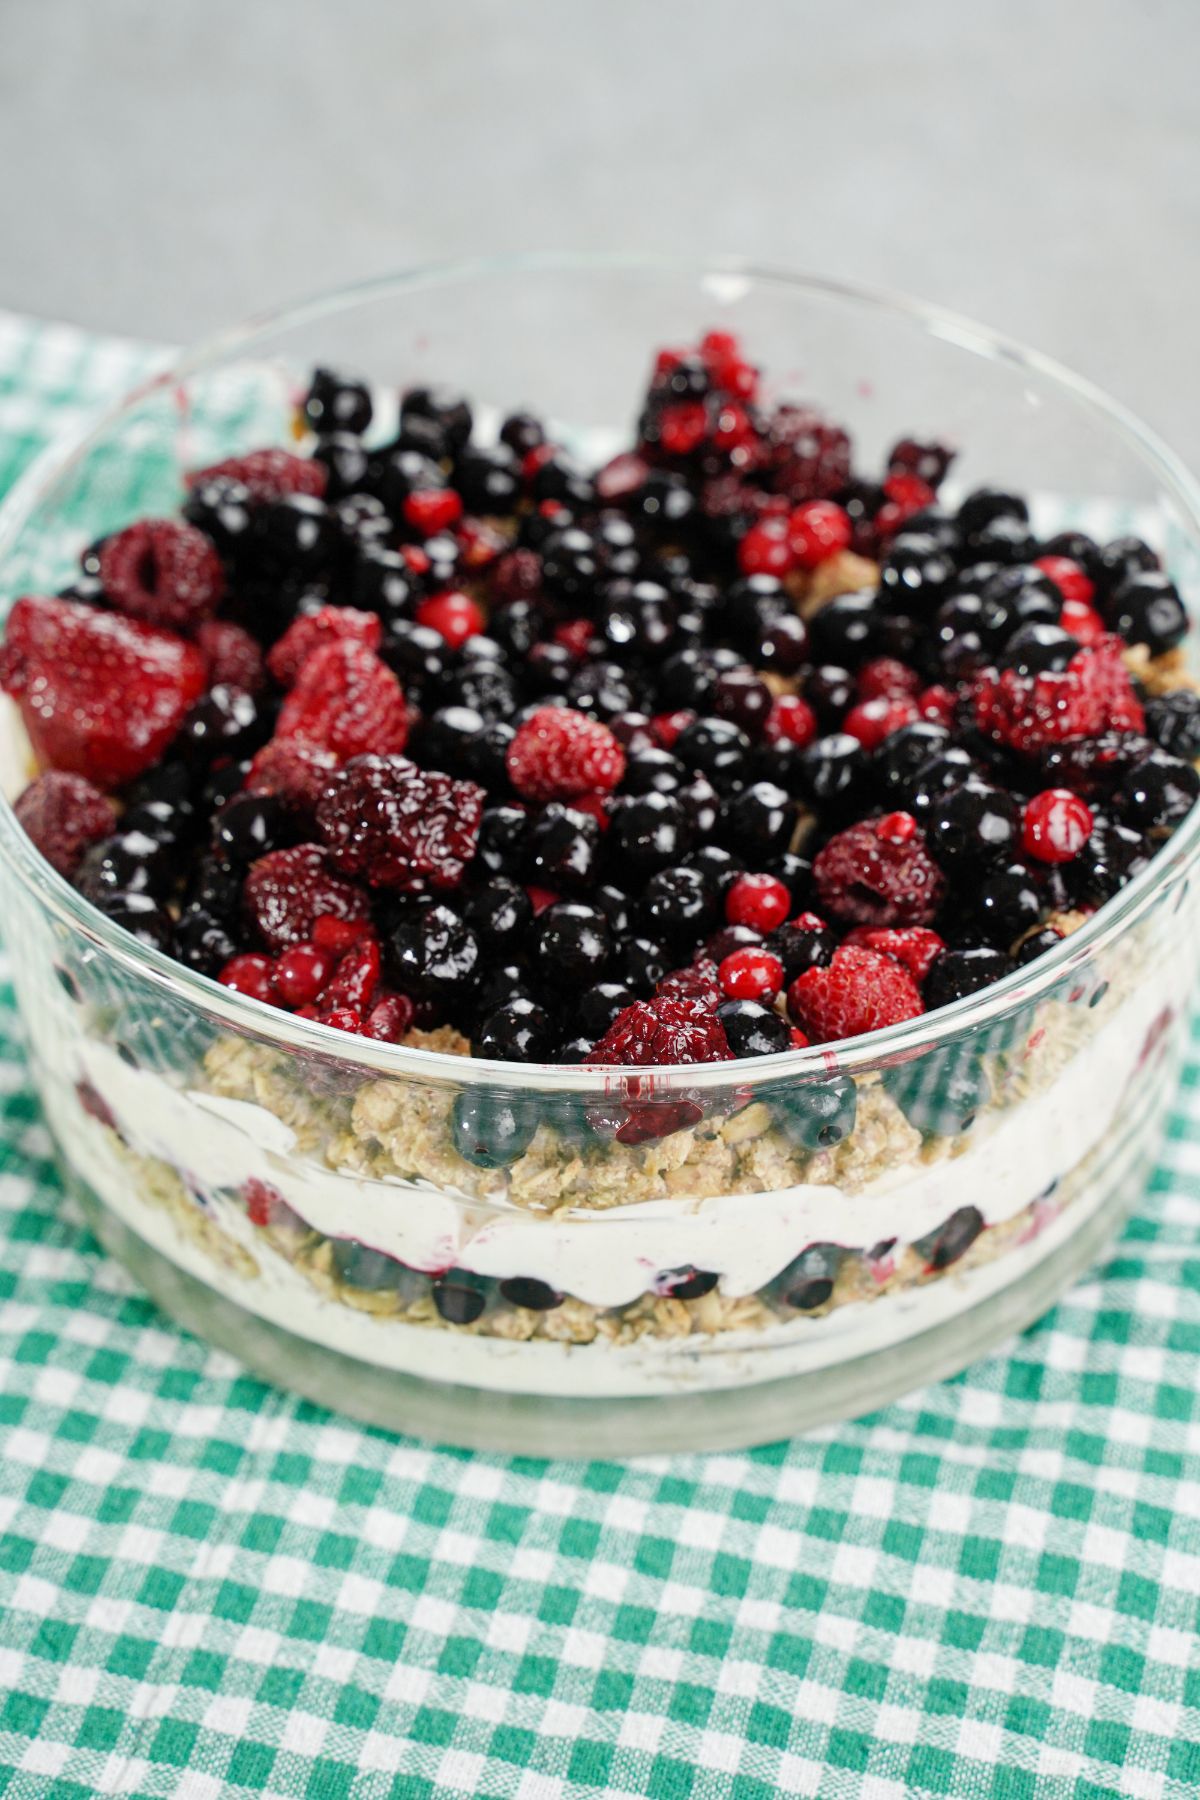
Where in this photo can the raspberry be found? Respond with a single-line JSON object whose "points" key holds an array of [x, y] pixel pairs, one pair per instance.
{"points": [[751, 974], [430, 510], [816, 531], [937, 704], [233, 656], [865, 876], [699, 981], [558, 753], [575, 635], [859, 991], [263, 1202], [663, 1030], [298, 773], [811, 455], [61, 815], [269, 474], [347, 701], [399, 826], [454, 616], [908, 492], [286, 891], [252, 974], [871, 721], [1056, 826], [760, 901], [790, 720], [164, 572], [101, 695], [517, 576], [912, 945], [311, 631], [1031, 712], [885, 678]]}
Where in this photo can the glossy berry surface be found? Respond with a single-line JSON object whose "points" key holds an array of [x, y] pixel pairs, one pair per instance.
{"points": [[740, 743]]}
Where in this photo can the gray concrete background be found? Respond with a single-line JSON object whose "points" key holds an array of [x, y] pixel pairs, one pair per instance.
{"points": [[170, 165]]}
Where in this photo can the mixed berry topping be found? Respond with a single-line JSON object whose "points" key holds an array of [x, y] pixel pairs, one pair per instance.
{"points": [[724, 748]]}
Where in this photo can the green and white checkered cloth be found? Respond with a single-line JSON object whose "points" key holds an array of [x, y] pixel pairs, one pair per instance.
{"points": [[208, 1588]]}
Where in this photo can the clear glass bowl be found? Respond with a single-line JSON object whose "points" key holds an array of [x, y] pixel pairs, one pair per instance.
{"points": [[680, 1258]]}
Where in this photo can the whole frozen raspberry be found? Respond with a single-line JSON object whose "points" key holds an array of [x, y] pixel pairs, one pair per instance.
{"points": [[312, 631], [347, 701], [233, 656], [100, 695], [811, 455], [163, 571], [1029, 713], [697, 982], [859, 991], [297, 773], [517, 576], [286, 892], [913, 945], [397, 826], [269, 474], [558, 753], [62, 814], [877, 873], [664, 1030]]}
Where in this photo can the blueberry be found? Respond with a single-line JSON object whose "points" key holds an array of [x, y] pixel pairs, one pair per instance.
{"points": [[500, 914], [830, 691], [599, 1005], [1003, 904], [503, 832], [701, 806], [1173, 721], [799, 949], [445, 409], [895, 764], [522, 433], [784, 645], [1004, 540], [1158, 792], [753, 1029], [1146, 609], [447, 738], [434, 953], [807, 1282], [250, 825], [816, 1115], [1035, 945], [687, 1283], [637, 619], [653, 771], [521, 1031], [227, 722], [647, 832], [297, 534], [215, 887], [758, 823], [488, 480], [1038, 649], [687, 679], [952, 1239], [574, 943], [1079, 548], [985, 504], [957, 973], [678, 905], [1123, 558], [719, 868], [644, 962], [170, 824], [745, 699], [336, 403], [845, 630], [527, 1292], [490, 1129], [833, 771], [346, 462], [971, 825], [562, 845], [916, 573], [140, 914], [202, 941], [460, 1297], [716, 748], [128, 863], [383, 583], [224, 510], [501, 983]]}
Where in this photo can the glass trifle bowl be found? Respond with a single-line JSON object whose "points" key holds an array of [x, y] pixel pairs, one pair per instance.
{"points": [[625, 1260]]}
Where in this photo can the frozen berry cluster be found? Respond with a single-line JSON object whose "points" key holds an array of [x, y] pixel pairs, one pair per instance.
{"points": [[720, 748]]}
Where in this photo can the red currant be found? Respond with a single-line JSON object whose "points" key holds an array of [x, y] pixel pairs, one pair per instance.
{"points": [[302, 972], [791, 719], [765, 549], [1082, 621], [751, 974], [683, 428], [816, 531], [251, 974], [1056, 826], [760, 901], [873, 720], [455, 616], [1067, 577], [430, 510], [885, 678]]}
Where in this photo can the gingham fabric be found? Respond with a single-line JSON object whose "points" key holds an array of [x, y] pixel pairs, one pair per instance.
{"points": [[210, 1589]]}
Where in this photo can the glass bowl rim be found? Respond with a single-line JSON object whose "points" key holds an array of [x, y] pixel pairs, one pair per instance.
{"points": [[902, 1042]]}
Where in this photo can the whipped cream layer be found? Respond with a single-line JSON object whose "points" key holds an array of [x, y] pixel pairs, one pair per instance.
{"points": [[610, 1258]]}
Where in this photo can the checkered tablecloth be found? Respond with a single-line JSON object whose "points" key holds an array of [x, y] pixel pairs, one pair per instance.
{"points": [[210, 1589]]}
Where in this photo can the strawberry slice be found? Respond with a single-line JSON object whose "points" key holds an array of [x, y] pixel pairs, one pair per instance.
{"points": [[100, 695]]}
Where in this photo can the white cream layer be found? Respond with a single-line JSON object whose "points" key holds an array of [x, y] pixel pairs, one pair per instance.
{"points": [[610, 1258]]}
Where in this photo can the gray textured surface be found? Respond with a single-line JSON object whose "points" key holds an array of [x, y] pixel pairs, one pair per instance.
{"points": [[171, 167]]}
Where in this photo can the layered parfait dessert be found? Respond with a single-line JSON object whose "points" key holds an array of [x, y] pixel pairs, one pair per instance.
{"points": [[680, 772]]}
